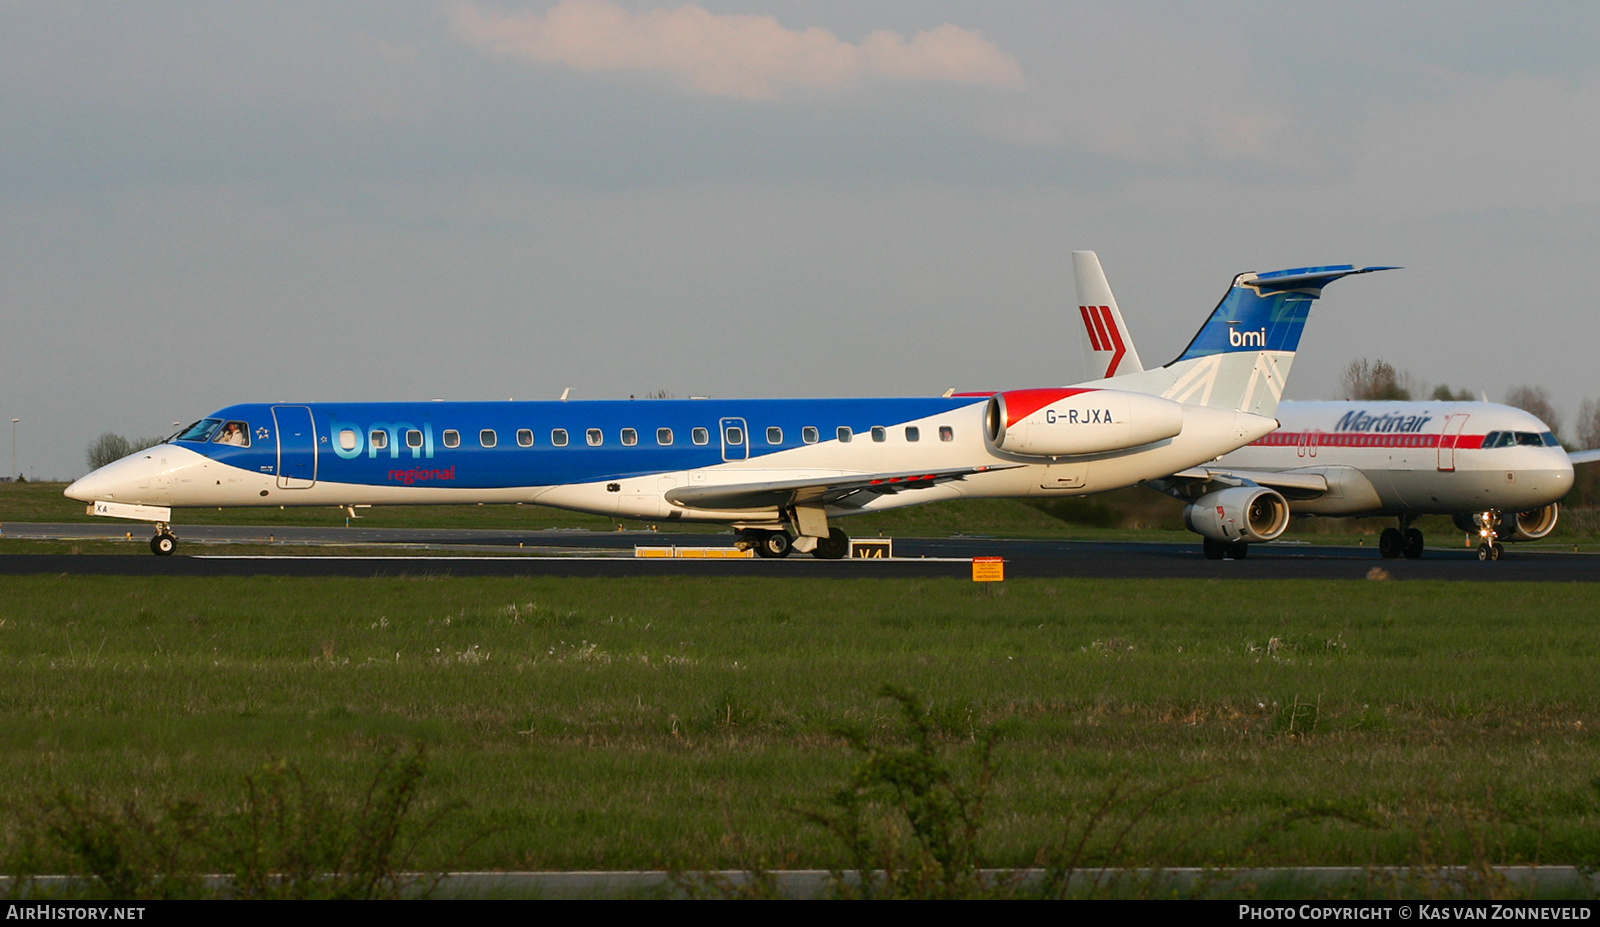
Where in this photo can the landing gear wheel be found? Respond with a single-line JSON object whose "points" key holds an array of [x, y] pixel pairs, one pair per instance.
{"points": [[1487, 551], [774, 544], [836, 546], [162, 545], [1391, 543], [1238, 550], [1413, 544], [1214, 549]]}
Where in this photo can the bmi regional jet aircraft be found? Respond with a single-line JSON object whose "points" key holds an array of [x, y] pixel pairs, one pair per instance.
{"points": [[1497, 470], [779, 470]]}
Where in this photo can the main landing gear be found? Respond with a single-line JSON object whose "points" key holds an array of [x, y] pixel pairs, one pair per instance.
{"points": [[1225, 550], [165, 542], [1404, 541], [778, 544]]}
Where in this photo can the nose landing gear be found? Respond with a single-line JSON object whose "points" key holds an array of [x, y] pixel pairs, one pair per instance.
{"points": [[1488, 523], [165, 542]]}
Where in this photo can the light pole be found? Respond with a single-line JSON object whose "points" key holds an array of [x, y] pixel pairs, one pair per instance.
{"points": [[14, 445]]}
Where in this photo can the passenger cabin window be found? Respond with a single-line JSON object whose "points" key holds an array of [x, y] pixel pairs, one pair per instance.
{"points": [[880, 434], [525, 437], [378, 439], [774, 435], [413, 439], [596, 437], [234, 433], [664, 436], [946, 433], [348, 439], [700, 436], [913, 433], [452, 438], [630, 437], [488, 438], [733, 435], [845, 434], [809, 434], [558, 437]]}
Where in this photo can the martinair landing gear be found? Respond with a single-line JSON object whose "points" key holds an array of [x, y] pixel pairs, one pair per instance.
{"points": [[1404, 541], [1489, 548], [165, 542], [1230, 550]]}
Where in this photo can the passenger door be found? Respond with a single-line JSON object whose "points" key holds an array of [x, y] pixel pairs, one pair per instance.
{"points": [[297, 447], [1447, 441]]}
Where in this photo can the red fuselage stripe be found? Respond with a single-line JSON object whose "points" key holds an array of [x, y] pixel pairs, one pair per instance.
{"points": [[1336, 439]]}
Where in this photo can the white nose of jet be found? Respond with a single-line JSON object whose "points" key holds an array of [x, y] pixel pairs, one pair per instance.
{"points": [[135, 478]]}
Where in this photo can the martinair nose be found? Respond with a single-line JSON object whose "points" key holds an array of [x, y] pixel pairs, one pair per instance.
{"points": [[125, 480]]}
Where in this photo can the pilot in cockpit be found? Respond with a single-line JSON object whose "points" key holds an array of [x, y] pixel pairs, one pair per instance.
{"points": [[233, 433]]}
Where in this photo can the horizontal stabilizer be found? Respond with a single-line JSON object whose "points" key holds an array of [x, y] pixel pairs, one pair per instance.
{"points": [[1307, 278]]}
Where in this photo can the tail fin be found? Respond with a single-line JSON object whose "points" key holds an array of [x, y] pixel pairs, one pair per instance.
{"points": [[1241, 356], [1107, 347]]}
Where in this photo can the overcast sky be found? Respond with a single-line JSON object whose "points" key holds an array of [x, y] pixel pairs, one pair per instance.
{"points": [[208, 203]]}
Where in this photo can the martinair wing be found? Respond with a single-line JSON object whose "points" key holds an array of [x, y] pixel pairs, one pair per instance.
{"points": [[850, 491], [1291, 484]]}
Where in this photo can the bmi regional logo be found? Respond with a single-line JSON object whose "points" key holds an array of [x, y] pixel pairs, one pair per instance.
{"points": [[1246, 339]]}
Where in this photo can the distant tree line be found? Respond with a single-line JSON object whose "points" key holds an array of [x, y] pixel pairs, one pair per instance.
{"points": [[1373, 380], [109, 447]]}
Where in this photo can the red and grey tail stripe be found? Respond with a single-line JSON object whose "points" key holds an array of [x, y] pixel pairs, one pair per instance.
{"points": [[1103, 334]]}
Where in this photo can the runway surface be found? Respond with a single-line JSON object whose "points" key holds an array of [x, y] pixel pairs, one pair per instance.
{"points": [[592, 553]]}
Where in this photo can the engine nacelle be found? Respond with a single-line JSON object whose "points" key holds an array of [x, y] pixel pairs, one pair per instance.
{"points": [[1530, 525], [1246, 513], [1071, 422]]}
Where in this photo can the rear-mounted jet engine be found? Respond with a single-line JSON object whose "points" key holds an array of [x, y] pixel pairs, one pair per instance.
{"points": [[1074, 422]]}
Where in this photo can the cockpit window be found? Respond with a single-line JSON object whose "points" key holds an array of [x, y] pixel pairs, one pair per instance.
{"points": [[199, 431], [1520, 439], [234, 433]]}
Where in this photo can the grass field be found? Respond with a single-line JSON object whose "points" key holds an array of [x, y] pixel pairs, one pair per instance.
{"points": [[651, 723]]}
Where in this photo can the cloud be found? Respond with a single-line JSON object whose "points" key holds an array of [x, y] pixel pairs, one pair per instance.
{"points": [[741, 56]]}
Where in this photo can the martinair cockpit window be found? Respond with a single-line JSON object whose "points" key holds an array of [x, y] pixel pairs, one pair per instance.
{"points": [[234, 433], [199, 431]]}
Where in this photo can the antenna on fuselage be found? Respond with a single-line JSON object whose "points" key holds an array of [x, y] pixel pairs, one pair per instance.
{"points": [[565, 393]]}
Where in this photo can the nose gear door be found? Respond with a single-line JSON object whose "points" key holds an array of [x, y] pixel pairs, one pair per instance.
{"points": [[297, 447]]}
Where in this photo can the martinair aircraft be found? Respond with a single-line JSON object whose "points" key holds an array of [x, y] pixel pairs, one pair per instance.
{"points": [[1497, 470], [778, 470]]}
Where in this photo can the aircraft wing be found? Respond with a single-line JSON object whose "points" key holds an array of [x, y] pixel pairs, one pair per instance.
{"points": [[1197, 481], [1583, 457], [850, 490]]}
